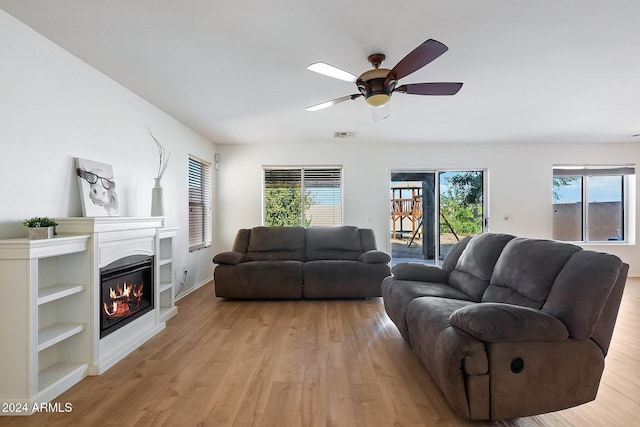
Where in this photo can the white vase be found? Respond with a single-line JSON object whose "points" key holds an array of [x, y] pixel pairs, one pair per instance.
{"points": [[157, 205]]}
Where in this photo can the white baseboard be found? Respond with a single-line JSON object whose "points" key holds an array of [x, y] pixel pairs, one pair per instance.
{"points": [[197, 286]]}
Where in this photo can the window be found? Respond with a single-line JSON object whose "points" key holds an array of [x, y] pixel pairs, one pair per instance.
{"points": [[590, 203], [200, 221], [302, 197]]}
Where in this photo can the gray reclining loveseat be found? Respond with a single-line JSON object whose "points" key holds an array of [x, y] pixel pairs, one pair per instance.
{"points": [[298, 262], [510, 327]]}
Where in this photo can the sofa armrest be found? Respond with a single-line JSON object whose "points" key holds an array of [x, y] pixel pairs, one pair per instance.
{"points": [[498, 322], [420, 272], [375, 257], [230, 258]]}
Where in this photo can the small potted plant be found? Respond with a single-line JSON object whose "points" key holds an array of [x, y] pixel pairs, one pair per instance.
{"points": [[40, 227]]}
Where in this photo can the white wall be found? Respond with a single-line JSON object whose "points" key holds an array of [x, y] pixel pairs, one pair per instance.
{"points": [[520, 182], [53, 108]]}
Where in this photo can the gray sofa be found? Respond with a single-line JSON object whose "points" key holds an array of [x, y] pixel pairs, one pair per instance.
{"points": [[509, 326], [298, 262]]}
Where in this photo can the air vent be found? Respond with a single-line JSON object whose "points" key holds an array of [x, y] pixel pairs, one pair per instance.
{"points": [[345, 134]]}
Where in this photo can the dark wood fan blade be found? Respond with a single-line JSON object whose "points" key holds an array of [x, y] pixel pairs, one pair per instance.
{"points": [[332, 102], [418, 58], [430, 88]]}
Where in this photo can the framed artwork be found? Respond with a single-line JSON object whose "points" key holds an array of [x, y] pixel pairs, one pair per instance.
{"points": [[97, 188]]}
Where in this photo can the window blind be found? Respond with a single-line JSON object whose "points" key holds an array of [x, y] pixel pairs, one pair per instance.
{"points": [[594, 170], [325, 204], [200, 220], [302, 196]]}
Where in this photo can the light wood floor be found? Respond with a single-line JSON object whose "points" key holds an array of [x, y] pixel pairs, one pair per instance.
{"points": [[306, 363]]}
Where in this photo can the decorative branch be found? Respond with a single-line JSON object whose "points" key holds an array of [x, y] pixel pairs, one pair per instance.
{"points": [[164, 159]]}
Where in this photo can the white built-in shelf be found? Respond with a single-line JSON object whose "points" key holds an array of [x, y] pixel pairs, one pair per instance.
{"points": [[55, 292], [51, 277], [165, 286], [56, 333], [53, 374], [165, 295]]}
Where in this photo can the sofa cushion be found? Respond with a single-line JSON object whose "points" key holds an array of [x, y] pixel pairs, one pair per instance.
{"points": [[526, 271], [588, 276], [397, 294], [451, 259], [368, 239], [448, 353], [342, 279], [375, 257], [428, 319], [324, 243], [420, 272], [496, 322], [230, 257], [472, 272], [259, 280], [276, 243], [241, 242]]}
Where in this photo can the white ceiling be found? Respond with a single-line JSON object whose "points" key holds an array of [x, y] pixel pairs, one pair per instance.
{"points": [[235, 70]]}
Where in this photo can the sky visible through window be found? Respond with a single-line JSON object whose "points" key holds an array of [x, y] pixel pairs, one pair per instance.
{"points": [[601, 189], [325, 196], [405, 193]]}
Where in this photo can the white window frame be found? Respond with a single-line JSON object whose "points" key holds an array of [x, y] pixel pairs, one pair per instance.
{"points": [[302, 170], [627, 172]]}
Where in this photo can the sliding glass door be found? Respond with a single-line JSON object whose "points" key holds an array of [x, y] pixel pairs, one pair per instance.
{"points": [[461, 210], [432, 210]]}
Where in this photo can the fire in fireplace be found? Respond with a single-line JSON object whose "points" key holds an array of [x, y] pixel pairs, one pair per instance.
{"points": [[126, 292]]}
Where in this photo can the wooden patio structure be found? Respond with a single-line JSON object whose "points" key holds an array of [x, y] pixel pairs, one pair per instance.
{"points": [[410, 208]]}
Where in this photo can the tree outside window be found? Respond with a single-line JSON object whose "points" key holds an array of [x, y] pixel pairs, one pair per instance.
{"points": [[461, 202]]}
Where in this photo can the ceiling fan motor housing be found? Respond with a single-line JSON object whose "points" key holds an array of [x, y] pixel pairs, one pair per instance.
{"points": [[374, 86]]}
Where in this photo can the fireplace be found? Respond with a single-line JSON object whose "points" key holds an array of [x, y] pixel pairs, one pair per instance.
{"points": [[126, 292]]}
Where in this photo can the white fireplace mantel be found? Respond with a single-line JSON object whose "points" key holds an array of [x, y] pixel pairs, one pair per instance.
{"points": [[113, 238], [107, 224], [55, 313]]}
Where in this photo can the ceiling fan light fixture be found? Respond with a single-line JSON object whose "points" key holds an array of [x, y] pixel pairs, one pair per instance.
{"points": [[378, 100]]}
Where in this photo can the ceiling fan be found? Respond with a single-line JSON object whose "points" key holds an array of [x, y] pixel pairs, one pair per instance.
{"points": [[378, 84]]}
